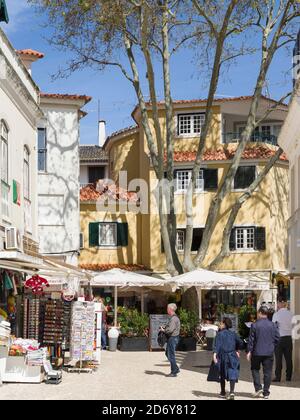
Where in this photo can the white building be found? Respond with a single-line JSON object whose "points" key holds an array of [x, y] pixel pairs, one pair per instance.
{"points": [[19, 114], [289, 140], [58, 182]]}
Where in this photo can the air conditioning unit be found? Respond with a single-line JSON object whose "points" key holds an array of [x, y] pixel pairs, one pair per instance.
{"points": [[13, 240]]}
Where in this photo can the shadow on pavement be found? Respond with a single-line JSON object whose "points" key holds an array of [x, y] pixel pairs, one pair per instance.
{"points": [[200, 394], [153, 372]]}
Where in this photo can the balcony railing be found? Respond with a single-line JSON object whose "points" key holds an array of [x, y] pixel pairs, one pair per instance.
{"points": [[255, 138]]}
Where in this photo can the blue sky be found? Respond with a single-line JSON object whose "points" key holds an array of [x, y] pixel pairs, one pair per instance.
{"points": [[114, 92]]}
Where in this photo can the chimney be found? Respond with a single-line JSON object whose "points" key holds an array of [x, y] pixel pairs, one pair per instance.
{"points": [[102, 133], [29, 57]]}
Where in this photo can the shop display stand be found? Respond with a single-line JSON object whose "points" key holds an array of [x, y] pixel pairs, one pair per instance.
{"points": [[82, 337]]}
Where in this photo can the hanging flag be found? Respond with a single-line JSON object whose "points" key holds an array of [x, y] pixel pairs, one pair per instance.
{"points": [[16, 193], [3, 12]]}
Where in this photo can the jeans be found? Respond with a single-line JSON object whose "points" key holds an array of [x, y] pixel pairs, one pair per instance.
{"points": [[171, 353], [267, 363], [103, 337], [284, 348]]}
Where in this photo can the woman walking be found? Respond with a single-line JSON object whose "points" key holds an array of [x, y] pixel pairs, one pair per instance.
{"points": [[227, 357]]}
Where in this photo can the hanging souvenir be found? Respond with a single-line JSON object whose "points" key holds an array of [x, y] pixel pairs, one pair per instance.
{"points": [[7, 282], [37, 284]]}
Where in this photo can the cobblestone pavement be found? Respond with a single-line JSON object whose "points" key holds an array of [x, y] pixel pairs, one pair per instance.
{"points": [[138, 376]]}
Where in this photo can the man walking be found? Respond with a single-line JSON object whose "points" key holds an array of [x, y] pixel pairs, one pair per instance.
{"points": [[284, 320], [264, 336], [172, 331]]}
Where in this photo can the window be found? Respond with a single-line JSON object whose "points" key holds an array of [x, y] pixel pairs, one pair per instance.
{"points": [[206, 180], [107, 234], [81, 241], [42, 150], [248, 238], [245, 238], [244, 177], [197, 239], [96, 173], [26, 179], [190, 124], [180, 241], [4, 169], [4, 152], [111, 234]]}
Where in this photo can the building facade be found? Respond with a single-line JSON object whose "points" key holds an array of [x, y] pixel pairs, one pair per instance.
{"points": [[19, 114], [259, 240], [58, 175], [290, 141]]}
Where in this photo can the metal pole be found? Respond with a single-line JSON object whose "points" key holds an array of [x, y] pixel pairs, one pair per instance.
{"points": [[116, 307], [142, 302]]}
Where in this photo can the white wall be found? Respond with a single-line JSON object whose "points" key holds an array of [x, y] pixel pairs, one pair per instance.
{"points": [[58, 188], [19, 109]]}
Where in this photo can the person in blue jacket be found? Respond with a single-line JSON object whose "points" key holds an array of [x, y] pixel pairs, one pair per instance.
{"points": [[227, 357]]}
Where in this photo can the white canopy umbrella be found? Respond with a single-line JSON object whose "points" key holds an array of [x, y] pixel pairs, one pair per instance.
{"points": [[127, 280], [207, 280]]}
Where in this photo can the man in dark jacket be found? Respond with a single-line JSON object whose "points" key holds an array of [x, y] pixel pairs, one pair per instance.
{"points": [[264, 336], [172, 331]]}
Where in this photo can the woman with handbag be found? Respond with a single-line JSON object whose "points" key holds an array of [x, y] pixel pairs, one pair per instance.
{"points": [[227, 357]]}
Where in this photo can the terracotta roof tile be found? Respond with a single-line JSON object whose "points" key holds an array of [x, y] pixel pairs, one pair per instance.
{"points": [[104, 191], [223, 154], [66, 96], [92, 153], [106, 267], [31, 53]]}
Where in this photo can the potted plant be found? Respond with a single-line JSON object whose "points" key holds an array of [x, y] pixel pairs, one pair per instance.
{"points": [[134, 330], [247, 314], [189, 321]]}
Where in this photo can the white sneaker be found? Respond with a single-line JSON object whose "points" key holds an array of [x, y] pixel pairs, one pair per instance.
{"points": [[258, 394]]}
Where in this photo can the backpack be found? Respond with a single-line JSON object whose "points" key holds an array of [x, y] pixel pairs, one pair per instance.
{"points": [[162, 338]]}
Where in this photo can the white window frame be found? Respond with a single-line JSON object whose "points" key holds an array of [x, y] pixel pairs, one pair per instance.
{"points": [[192, 118], [26, 169], [4, 168], [115, 235], [180, 240], [43, 150], [241, 233], [182, 186]]}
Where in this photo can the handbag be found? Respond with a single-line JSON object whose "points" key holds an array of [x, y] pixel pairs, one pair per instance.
{"points": [[162, 338], [214, 373]]}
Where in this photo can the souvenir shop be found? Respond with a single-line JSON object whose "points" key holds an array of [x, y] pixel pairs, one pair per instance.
{"points": [[45, 319]]}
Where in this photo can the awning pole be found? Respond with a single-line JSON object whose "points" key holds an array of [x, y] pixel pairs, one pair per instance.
{"points": [[116, 307], [142, 302]]}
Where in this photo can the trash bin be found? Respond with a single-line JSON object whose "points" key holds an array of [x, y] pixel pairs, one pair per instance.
{"points": [[113, 337]]}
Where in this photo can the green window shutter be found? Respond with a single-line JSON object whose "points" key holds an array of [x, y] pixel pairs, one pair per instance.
{"points": [[122, 232], [260, 239], [93, 234], [16, 193], [232, 240], [3, 12]]}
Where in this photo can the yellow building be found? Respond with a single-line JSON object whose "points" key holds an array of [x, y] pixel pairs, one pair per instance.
{"points": [[259, 239]]}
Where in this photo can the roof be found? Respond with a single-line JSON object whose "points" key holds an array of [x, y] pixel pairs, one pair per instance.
{"points": [[218, 100], [31, 53], [104, 191], [64, 96], [89, 153], [106, 267], [126, 130], [223, 154]]}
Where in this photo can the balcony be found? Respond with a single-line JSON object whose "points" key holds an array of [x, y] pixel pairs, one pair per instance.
{"points": [[255, 138]]}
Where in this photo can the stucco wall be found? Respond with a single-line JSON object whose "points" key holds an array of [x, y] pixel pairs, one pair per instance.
{"points": [[101, 255]]}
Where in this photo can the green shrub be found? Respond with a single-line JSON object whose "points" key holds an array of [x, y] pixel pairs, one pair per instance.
{"points": [[189, 322], [246, 313], [133, 323]]}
